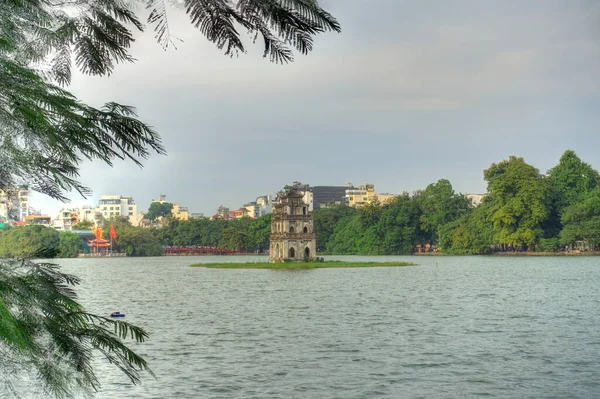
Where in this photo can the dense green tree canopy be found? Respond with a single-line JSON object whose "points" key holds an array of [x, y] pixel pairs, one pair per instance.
{"points": [[581, 220], [572, 179], [69, 245], [158, 209], [440, 205], [29, 241], [520, 200], [325, 220]]}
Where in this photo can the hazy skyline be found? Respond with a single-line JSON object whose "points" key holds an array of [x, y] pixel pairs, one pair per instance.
{"points": [[407, 94]]}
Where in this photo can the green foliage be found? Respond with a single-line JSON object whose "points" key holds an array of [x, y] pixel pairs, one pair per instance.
{"points": [[472, 234], [346, 234], [29, 241], [259, 233], [83, 225], [136, 241], [571, 180], [46, 331], [325, 220], [238, 234], [520, 200], [399, 226], [157, 210], [69, 244], [440, 205], [581, 220], [549, 244]]}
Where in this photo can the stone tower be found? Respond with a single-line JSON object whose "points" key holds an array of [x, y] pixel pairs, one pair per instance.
{"points": [[292, 233]]}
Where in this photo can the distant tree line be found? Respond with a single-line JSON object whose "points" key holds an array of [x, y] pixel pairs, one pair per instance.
{"points": [[523, 210], [38, 241]]}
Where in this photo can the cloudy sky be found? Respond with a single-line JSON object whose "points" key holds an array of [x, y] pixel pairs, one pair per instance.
{"points": [[409, 93]]}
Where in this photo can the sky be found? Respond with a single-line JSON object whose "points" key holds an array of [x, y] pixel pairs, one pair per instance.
{"points": [[409, 93]]}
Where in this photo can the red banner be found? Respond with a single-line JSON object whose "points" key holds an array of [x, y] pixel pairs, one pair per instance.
{"points": [[113, 233]]}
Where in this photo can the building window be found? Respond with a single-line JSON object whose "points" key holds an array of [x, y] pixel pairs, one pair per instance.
{"points": [[130, 213], [305, 230], [292, 229]]}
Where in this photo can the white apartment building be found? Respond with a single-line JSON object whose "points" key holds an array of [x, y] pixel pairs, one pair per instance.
{"points": [[14, 203], [265, 204], [65, 219], [116, 205]]}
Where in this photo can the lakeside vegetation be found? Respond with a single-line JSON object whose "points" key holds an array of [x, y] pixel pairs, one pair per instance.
{"points": [[300, 265], [524, 211]]}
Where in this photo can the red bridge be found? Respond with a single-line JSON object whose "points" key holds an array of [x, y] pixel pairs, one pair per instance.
{"points": [[172, 251]]}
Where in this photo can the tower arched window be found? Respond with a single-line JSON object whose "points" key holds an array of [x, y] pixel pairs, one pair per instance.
{"points": [[305, 230], [292, 230]]}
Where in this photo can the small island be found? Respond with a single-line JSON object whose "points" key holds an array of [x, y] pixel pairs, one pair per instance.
{"points": [[300, 265]]}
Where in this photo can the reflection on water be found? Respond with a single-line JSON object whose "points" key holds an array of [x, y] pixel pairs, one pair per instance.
{"points": [[452, 327]]}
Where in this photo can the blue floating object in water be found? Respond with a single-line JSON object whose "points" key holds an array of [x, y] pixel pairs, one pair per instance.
{"points": [[117, 314]]}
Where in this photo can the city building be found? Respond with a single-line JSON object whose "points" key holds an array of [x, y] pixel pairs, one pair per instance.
{"points": [[265, 204], [90, 214], [475, 198], [321, 196], [239, 214], [14, 204], [116, 205], [43, 220], [65, 219], [361, 195], [253, 209], [292, 233], [222, 213]]}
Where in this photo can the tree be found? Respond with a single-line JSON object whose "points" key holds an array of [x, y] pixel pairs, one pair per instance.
{"points": [[69, 244], [471, 234], [46, 132], [520, 201], [136, 241], [42, 327], [440, 205], [158, 209], [29, 241], [325, 221], [581, 220], [259, 232], [83, 225], [572, 179]]}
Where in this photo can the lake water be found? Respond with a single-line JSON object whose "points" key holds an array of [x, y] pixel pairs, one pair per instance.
{"points": [[452, 327]]}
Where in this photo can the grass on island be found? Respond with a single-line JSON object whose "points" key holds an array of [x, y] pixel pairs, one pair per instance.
{"points": [[299, 265]]}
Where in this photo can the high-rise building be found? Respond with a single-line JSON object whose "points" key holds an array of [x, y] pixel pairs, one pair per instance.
{"points": [[322, 196], [116, 205]]}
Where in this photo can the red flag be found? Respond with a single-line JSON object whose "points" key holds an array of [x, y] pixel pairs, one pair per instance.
{"points": [[113, 233]]}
